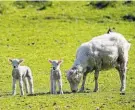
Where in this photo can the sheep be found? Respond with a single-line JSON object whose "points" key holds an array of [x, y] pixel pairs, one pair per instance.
{"points": [[55, 76], [23, 74], [102, 52]]}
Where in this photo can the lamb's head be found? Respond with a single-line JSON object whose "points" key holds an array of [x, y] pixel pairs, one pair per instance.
{"points": [[56, 64], [74, 77], [15, 62]]}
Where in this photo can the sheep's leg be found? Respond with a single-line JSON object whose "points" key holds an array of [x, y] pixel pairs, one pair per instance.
{"points": [[83, 83], [60, 86], [96, 74], [123, 78], [14, 87], [21, 85], [26, 84], [120, 74], [30, 79], [122, 68], [54, 87]]}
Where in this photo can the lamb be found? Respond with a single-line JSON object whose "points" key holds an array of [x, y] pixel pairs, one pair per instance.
{"points": [[23, 74], [102, 52], [55, 76]]}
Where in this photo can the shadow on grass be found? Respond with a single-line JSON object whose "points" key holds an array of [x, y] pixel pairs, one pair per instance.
{"points": [[48, 93], [5, 94]]}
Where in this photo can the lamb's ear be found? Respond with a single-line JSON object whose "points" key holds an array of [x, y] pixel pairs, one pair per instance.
{"points": [[66, 71], [50, 61], [21, 60], [60, 61], [10, 60]]}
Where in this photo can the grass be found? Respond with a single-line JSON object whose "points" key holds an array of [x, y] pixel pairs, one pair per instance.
{"points": [[55, 33]]}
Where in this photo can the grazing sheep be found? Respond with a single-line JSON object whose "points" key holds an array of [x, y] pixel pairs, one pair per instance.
{"points": [[55, 76], [23, 74], [103, 52]]}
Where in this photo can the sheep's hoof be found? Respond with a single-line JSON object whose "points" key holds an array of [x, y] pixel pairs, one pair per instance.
{"points": [[13, 94], [122, 93], [31, 94], [81, 89], [61, 92], [95, 90]]}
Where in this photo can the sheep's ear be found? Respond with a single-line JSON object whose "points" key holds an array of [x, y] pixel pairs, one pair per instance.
{"points": [[10, 60], [80, 69], [50, 61], [21, 60], [70, 72], [60, 61]]}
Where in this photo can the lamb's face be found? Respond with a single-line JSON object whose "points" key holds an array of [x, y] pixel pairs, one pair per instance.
{"points": [[15, 62], [55, 64], [74, 78]]}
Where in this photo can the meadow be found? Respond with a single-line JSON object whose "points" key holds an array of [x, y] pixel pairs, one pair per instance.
{"points": [[36, 32]]}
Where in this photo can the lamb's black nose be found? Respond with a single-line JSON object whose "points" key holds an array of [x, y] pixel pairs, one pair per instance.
{"points": [[14, 66], [53, 68]]}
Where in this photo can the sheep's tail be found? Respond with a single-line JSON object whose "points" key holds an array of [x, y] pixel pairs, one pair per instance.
{"points": [[128, 46]]}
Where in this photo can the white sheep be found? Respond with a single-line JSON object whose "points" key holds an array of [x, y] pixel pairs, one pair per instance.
{"points": [[23, 74], [55, 76], [102, 52]]}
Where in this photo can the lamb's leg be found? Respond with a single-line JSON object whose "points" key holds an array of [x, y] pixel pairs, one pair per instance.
{"points": [[26, 84], [54, 87], [96, 74], [14, 87], [84, 80], [51, 80], [60, 86], [30, 79], [21, 85]]}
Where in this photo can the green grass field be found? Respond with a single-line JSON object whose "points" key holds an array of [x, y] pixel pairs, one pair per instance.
{"points": [[54, 30]]}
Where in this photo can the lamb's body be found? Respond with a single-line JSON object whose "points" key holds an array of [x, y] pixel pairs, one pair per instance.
{"points": [[23, 74], [55, 76], [103, 52], [21, 71]]}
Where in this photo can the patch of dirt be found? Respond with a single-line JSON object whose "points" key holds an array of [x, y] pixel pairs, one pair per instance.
{"points": [[127, 2], [108, 17], [101, 4], [54, 103], [129, 17]]}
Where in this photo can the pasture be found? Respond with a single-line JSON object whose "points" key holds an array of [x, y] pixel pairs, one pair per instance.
{"points": [[37, 32]]}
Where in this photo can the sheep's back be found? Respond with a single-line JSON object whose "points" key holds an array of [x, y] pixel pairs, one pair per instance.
{"points": [[104, 50]]}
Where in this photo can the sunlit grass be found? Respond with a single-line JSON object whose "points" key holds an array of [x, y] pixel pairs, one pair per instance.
{"points": [[56, 33]]}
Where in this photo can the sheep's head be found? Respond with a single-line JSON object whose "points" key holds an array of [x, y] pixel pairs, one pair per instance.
{"points": [[55, 64], [74, 77], [15, 62]]}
